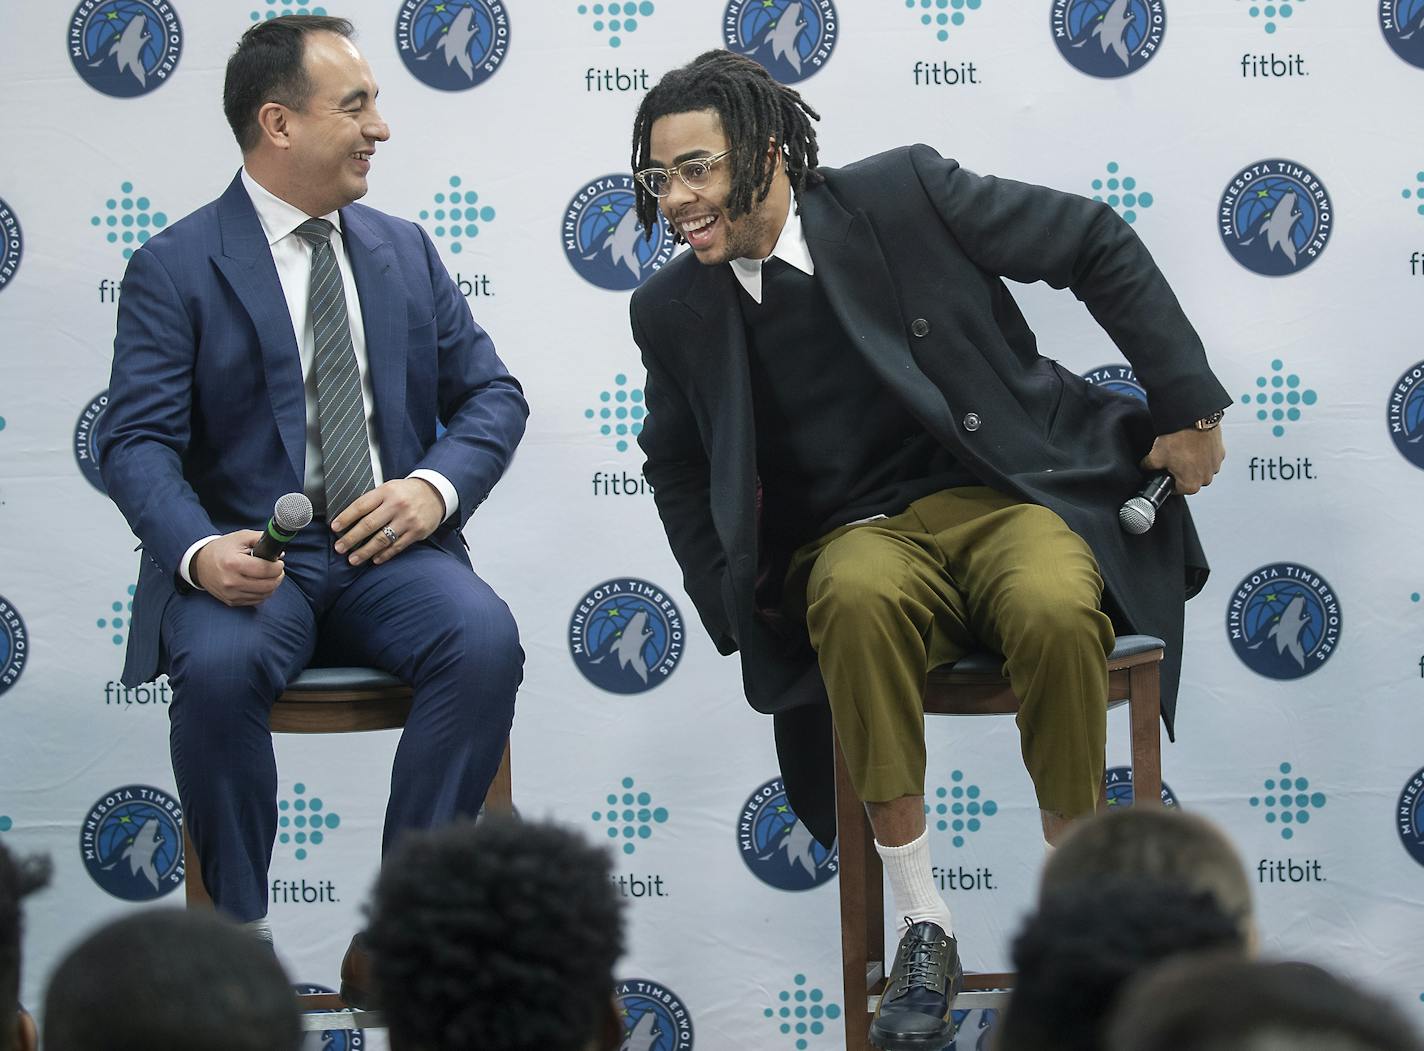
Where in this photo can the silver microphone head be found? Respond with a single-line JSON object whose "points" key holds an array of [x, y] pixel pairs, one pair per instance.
{"points": [[1137, 515], [293, 512]]}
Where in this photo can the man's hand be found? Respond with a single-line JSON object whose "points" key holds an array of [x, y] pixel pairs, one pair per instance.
{"points": [[409, 507], [226, 570], [1190, 456]]}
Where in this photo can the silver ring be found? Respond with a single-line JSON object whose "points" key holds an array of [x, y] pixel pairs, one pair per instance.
{"points": [[390, 534]]}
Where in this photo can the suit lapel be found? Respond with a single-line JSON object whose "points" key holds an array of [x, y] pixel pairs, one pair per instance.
{"points": [[856, 278], [383, 315], [246, 263]]}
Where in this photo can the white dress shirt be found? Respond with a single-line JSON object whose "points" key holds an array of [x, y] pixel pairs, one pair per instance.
{"points": [[292, 256], [790, 249]]}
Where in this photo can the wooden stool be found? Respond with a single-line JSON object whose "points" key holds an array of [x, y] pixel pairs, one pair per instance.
{"points": [[340, 700], [972, 686]]}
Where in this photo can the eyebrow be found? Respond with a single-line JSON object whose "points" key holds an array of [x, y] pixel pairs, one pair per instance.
{"points": [[689, 155]]}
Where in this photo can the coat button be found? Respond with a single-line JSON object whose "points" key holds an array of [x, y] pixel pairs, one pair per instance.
{"points": [[972, 421], [920, 327]]}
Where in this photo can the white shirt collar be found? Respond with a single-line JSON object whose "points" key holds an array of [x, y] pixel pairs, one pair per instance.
{"points": [[278, 218], [790, 249]]}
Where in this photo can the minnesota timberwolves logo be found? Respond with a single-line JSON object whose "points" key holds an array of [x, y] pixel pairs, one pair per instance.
{"points": [[11, 244], [453, 44], [973, 1029], [626, 636], [132, 843], [1108, 38], [1120, 379], [791, 38], [1283, 621], [1406, 415], [1119, 788], [14, 645], [603, 239], [125, 48], [1408, 818], [1275, 217], [654, 1019], [329, 1039], [1403, 24], [777, 846], [85, 454]]}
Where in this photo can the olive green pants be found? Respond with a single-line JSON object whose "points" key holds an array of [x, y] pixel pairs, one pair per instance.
{"points": [[962, 569]]}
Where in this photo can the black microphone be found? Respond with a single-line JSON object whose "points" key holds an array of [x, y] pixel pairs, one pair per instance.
{"points": [[1140, 513], [292, 514]]}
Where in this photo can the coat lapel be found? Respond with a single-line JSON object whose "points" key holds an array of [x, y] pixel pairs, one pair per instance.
{"points": [[383, 315], [246, 263], [856, 278]]}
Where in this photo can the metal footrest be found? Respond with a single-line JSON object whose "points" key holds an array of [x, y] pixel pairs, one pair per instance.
{"points": [[321, 1021]]}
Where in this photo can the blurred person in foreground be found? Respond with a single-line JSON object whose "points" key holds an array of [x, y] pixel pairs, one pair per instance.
{"points": [[18, 880]]}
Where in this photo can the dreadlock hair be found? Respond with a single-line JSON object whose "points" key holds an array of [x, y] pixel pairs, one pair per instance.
{"points": [[754, 109]]}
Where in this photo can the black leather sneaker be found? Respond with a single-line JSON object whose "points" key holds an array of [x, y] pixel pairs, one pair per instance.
{"points": [[915, 1009]]}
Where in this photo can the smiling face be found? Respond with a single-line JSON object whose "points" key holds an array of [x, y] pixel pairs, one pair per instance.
{"points": [[330, 140], [701, 215]]}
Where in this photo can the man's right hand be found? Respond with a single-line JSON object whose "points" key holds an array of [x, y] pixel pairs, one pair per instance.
{"points": [[226, 569]]}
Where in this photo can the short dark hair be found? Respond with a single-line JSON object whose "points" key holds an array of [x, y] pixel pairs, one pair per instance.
{"points": [[1164, 845], [171, 978], [500, 936], [753, 108], [269, 66], [1077, 952], [18, 879], [1211, 1003]]}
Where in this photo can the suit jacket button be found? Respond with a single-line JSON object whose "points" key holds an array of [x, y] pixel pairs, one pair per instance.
{"points": [[972, 421], [920, 327]]}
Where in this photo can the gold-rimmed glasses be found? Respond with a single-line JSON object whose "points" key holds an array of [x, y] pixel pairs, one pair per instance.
{"points": [[694, 172]]}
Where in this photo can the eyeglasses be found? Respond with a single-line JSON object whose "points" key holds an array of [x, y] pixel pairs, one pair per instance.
{"points": [[694, 173]]}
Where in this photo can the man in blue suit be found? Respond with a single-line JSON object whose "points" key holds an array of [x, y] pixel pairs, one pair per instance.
{"points": [[285, 338]]}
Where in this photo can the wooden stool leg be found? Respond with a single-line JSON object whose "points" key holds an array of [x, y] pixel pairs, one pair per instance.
{"points": [[194, 893], [862, 919], [1145, 715], [500, 798]]}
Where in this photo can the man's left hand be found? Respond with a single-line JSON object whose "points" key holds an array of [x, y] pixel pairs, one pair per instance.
{"points": [[1190, 456], [409, 507]]}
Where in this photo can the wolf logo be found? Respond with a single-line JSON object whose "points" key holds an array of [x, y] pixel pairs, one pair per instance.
{"points": [[798, 846], [621, 244], [1284, 620], [127, 51], [1287, 630], [781, 38], [141, 851], [1111, 30], [1405, 17], [644, 1034], [1278, 227], [455, 44], [628, 647]]}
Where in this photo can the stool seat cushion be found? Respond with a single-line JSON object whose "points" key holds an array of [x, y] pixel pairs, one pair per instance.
{"points": [[319, 680], [985, 663]]}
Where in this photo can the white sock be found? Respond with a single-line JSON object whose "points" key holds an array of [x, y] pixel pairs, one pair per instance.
{"points": [[912, 884], [261, 928]]}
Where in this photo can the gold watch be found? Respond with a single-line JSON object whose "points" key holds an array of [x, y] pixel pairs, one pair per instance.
{"points": [[1210, 423]]}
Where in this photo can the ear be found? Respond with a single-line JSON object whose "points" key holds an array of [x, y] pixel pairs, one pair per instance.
{"points": [[27, 1036], [273, 125]]}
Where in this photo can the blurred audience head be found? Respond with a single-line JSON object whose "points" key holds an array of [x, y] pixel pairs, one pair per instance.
{"points": [[1224, 1004], [17, 880], [1077, 952], [168, 978], [1165, 846], [500, 936]]}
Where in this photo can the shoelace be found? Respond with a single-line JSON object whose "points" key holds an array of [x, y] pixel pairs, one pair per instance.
{"points": [[922, 960]]}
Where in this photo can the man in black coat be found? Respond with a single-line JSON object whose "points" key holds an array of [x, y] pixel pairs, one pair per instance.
{"points": [[866, 469]]}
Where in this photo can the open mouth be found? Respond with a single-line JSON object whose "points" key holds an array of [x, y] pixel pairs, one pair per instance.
{"points": [[700, 231], [363, 157]]}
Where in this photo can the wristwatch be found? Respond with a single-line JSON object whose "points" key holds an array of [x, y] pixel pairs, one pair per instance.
{"points": [[1209, 423]]}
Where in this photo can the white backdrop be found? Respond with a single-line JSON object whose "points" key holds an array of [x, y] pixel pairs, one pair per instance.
{"points": [[538, 130]]}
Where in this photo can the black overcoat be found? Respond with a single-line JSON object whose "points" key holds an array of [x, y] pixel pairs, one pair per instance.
{"points": [[911, 250]]}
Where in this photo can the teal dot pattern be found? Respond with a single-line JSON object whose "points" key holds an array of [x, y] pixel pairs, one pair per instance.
{"points": [[630, 816], [1279, 397], [939, 15], [1287, 801], [1121, 193], [6, 823], [619, 414], [129, 220], [304, 822], [1273, 15], [802, 1012], [2, 423], [116, 620], [617, 19], [456, 215], [274, 10], [959, 808], [1416, 193]]}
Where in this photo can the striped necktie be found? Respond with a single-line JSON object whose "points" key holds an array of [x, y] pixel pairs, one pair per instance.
{"points": [[341, 415]]}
